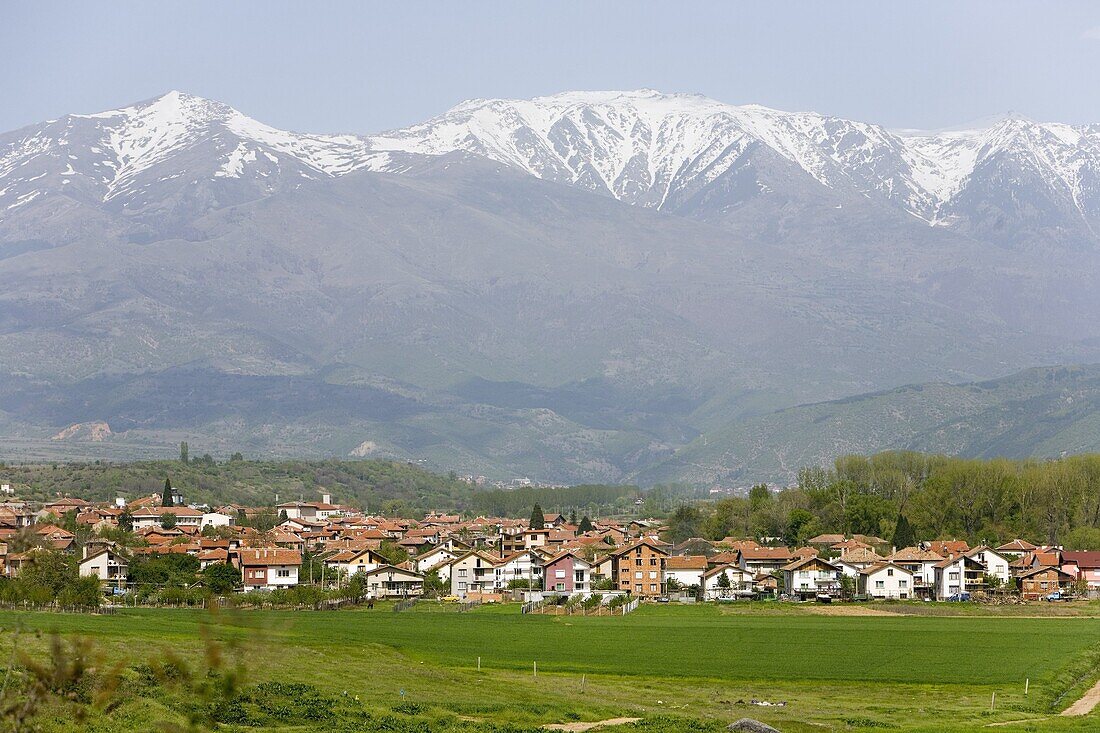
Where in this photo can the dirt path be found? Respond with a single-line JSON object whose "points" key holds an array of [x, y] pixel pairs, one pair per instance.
{"points": [[1087, 702], [589, 726]]}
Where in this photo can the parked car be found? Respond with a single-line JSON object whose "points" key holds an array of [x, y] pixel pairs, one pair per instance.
{"points": [[959, 597], [1057, 596]]}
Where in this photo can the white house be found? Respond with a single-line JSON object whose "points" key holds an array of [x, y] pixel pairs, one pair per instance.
{"points": [[106, 564], [686, 570], [350, 562], [886, 580], [922, 563], [474, 572], [524, 565], [268, 568], [425, 561], [810, 576], [994, 563], [738, 582], [387, 581], [154, 516], [216, 519]]}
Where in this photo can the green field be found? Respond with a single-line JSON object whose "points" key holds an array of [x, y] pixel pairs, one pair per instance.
{"points": [[674, 667]]}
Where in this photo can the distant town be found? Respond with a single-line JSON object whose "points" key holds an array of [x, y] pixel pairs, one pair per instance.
{"points": [[160, 549]]}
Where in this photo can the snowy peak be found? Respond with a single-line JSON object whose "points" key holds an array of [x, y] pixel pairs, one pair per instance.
{"points": [[122, 156], [682, 153]]}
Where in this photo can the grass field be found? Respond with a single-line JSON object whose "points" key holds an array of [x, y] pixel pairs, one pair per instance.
{"points": [[674, 667]]}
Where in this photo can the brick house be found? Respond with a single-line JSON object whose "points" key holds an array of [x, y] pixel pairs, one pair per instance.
{"points": [[568, 573], [1041, 581], [640, 567]]}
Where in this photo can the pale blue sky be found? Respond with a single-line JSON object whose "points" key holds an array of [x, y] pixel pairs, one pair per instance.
{"points": [[365, 67]]}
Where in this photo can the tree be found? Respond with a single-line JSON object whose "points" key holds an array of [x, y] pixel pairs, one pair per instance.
{"points": [[166, 495], [585, 525], [573, 517], [684, 523], [724, 581], [903, 533], [184, 452], [51, 570], [394, 553], [847, 586], [221, 578], [538, 519], [167, 521], [235, 458], [126, 521], [759, 496]]}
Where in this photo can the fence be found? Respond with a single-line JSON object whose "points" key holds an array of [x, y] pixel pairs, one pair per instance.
{"points": [[464, 607], [56, 608], [530, 607], [404, 605], [631, 606]]}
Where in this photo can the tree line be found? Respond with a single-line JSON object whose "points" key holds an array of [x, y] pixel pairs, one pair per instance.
{"points": [[904, 495]]}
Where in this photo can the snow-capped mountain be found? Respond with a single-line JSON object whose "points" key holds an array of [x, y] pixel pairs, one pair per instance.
{"points": [[171, 144], [1009, 181], [660, 150]]}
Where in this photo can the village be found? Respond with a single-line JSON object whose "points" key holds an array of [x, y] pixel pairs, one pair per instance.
{"points": [[545, 561]]}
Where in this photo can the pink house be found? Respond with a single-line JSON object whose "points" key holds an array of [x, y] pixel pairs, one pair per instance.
{"points": [[1083, 566], [567, 573]]}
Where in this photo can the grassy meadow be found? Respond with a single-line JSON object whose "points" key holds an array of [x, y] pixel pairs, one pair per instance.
{"points": [[676, 668]]}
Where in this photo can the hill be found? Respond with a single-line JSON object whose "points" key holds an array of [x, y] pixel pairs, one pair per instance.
{"points": [[1042, 412]]}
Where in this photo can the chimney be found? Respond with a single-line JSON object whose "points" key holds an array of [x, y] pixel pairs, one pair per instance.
{"points": [[120, 502], [326, 498]]}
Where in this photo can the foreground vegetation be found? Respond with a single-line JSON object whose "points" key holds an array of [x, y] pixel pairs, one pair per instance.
{"points": [[677, 668]]}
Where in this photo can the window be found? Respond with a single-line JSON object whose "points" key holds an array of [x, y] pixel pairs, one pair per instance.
{"points": [[462, 572], [638, 575], [638, 587], [579, 576], [652, 575], [653, 587], [890, 572], [283, 573], [559, 586], [461, 587], [903, 583], [638, 561], [952, 576], [652, 561], [559, 573], [880, 583]]}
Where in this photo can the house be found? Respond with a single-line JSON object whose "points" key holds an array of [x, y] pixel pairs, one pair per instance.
{"points": [[154, 516], [886, 580], [946, 548], [519, 566], [825, 540], [686, 570], [425, 561], [737, 582], [1016, 548], [958, 574], [994, 564], [1083, 566], [268, 568], [1040, 581], [567, 573], [350, 562], [473, 572], [216, 519], [639, 568], [387, 581], [922, 563], [107, 564], [809, 576], [763, 559], [862, 557]]}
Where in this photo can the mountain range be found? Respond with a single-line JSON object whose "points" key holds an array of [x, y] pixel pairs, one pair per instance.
{"points": [[586, 286]]}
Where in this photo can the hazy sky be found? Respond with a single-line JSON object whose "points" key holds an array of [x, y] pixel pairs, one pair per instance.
{"points": [[365, 67]]}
